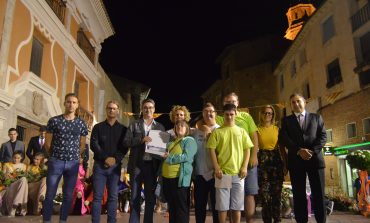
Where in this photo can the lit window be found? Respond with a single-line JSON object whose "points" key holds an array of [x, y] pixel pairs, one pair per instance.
{"points": [[329, 135]]}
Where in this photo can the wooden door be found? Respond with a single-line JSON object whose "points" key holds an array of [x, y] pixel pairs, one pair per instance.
{"points": [[26, 129]]}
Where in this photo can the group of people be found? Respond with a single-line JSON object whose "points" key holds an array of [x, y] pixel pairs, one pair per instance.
{"points": [[220, 156]]}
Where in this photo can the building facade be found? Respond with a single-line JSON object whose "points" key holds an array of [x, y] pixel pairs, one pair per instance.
{"points": [[50, 48], [247, 69], [328, 63]]}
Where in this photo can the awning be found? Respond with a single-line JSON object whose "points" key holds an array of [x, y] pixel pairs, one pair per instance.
{"points": [[342, 150]]}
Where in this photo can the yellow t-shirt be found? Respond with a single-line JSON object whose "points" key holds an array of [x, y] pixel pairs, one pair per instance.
{"points": [[268, 137], [230, 143], [168, 170]]}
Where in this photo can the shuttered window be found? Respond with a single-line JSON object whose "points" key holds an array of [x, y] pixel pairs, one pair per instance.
{"points": [[36, 56]]}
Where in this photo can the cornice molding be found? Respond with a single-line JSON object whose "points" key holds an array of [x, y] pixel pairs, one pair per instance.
{"points": [[96, 18]]}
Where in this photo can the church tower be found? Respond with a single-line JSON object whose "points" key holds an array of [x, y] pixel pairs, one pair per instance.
{"points": [[298, 13]]}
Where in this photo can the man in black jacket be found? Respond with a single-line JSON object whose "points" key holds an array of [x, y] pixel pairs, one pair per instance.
{"points": [[36, 144], [142, 166], [304, 135], [107, 144]]}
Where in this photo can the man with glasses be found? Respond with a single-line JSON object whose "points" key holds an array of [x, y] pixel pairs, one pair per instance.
{"points": [[142, 166], [204, 183], [245, 121], [107, 144]]}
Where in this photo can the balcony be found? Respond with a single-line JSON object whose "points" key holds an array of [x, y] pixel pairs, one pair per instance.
{"points": [[360, 17], [59, 8], [84, 43]]}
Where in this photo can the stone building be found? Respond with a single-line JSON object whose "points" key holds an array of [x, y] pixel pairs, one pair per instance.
{"points": [[247, 69], [328, 62]]}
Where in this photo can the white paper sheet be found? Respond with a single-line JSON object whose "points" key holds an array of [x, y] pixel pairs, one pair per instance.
{"points": [[158, 143], [225, 182]]}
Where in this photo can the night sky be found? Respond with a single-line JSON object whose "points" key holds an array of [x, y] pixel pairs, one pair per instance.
{"points": [[172, 46]]}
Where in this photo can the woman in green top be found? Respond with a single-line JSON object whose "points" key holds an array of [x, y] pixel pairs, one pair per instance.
{"points": [[176, 172], [270, 169]]}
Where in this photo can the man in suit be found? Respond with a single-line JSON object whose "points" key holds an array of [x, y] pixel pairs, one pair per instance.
{"points": [[36, 144], [142, 166], [304, 135], [9, 147]]}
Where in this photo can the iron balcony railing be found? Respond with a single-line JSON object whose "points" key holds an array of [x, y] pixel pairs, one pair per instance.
{"points": [[360, 17], [85, 45], [59, 8]]}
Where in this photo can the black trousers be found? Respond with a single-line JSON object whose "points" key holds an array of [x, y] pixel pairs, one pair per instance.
{"points": [[178, 199], [317, 183], [202, 189]]}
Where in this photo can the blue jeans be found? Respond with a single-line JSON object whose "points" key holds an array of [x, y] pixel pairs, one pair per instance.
{"points": [[105, 177], [57, 169], [147, 173]]}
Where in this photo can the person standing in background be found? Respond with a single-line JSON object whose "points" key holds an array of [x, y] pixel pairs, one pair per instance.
{"points": [[9, 147], [36, 144]]}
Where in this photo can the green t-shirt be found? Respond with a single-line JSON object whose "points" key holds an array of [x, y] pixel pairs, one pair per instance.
{"points": [[229, 143], [243, 120]]}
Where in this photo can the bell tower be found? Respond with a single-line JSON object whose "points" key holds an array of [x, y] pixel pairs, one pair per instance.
{"points": [[298, 13]]}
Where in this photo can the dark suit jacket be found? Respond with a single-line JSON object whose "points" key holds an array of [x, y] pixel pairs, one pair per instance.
{"points": [[312, 137], [6, 151], [35, 147], [135, 133]]}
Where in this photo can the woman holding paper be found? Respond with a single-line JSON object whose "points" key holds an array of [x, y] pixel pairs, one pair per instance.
{"points": [[176, 172]]}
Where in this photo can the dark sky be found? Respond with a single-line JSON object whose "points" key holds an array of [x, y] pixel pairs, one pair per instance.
{"points": [[172, 46]]}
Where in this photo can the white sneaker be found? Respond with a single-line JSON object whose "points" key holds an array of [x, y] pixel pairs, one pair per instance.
{"points": [[330, 207], [125, 207]]}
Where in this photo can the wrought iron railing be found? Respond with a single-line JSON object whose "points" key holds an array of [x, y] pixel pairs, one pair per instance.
{"points": [[85, 45], [360, 17], [59, 8]]}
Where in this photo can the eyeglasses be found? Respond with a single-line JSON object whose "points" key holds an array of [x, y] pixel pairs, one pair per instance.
{"points": [[147, 108], [267, 113]]}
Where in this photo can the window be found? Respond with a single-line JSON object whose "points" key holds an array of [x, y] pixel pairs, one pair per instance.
{"points": [[334, 74], [329, 135], [281, 82], [293, 69], [365, 47], [306, 90], [328, 29], [351, 130], [302, 57], [366, 124], [36, 56], [77, 88]]}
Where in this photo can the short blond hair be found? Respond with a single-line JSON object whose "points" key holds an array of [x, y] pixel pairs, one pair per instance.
{"points": [[182, 108]]}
